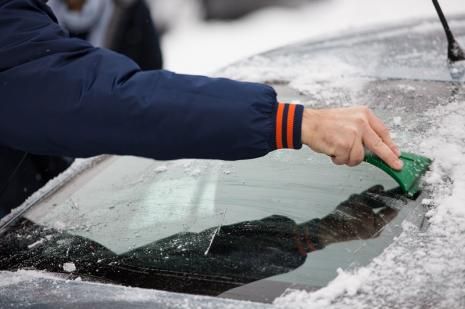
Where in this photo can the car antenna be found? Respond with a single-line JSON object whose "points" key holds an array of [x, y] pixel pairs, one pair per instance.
{"points": [[455, 52]]}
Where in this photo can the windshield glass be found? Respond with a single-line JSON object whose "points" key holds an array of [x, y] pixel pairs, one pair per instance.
{"points": [[206, 227]]}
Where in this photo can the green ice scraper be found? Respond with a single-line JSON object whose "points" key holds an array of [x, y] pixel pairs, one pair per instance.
{"points": [[409, 177]]}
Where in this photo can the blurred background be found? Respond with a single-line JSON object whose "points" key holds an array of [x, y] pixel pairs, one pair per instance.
{"points": [[206, 35], [201, 36]]}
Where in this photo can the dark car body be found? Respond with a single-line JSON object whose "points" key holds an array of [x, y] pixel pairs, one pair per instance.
{"points": [[228, 229]]}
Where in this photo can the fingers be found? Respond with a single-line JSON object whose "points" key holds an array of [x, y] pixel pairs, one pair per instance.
{"points": [[343, 133], [378, 126], [374, 143], [351, 152], [340, 159], [357, 153], [342, 150]]}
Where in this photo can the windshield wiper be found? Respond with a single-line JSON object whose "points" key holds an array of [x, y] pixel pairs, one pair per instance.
{"points": [[455, 52]]}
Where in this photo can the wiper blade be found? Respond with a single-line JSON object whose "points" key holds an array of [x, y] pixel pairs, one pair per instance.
{"points": [[455, 51]]}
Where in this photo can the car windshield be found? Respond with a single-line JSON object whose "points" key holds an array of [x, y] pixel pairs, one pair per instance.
{"points": [[290, 219]]}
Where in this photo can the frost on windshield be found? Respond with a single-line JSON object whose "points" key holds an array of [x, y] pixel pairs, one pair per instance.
{"points": [[421, 268], [34, 289]]}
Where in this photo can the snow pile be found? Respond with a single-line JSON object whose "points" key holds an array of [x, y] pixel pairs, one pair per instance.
{"points": [[448, 145], [69, 267], [421, 269]]}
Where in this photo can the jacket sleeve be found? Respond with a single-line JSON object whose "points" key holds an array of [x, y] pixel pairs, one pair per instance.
{"points": [[61, 96]]}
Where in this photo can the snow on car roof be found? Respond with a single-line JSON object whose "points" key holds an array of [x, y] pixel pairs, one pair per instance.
{"points": [[412, 51]]}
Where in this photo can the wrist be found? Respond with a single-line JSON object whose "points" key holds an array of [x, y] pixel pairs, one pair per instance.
{"points": [[309, 127]]}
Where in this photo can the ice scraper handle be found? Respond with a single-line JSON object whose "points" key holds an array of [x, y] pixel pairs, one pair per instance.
{"points": [[409, 177]]}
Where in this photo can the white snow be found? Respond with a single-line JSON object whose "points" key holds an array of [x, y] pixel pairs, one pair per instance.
{"points": [[48, 289], [161, 169], [37, 243], [347, 284], [69, 267], [22, 275]]}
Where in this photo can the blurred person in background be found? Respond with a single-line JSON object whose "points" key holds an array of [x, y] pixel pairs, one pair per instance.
{"points": [[169, 14], [124, 26]]}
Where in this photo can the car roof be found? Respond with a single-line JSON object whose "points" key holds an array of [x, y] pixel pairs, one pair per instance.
{"points": [[412, 51]]}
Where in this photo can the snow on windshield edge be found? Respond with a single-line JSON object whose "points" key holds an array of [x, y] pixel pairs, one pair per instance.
{"points": [[419, 268], [75, 169]]}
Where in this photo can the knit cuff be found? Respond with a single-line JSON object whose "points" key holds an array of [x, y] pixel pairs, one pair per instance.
{"points": [[288, 127]]}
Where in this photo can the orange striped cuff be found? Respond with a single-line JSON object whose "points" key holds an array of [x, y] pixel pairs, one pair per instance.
{"points": [[288, 126]]}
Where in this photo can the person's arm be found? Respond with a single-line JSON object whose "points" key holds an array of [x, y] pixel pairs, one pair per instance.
{"points": [[61, 96]]}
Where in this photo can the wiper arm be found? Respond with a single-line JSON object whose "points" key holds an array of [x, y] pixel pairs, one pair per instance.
{"points": [[455, 51]]}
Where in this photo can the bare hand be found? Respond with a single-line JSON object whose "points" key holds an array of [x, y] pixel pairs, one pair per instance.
{"points": [[343, 134]]}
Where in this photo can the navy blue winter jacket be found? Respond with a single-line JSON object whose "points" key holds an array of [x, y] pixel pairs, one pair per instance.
{"points": [[61, 96]]}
